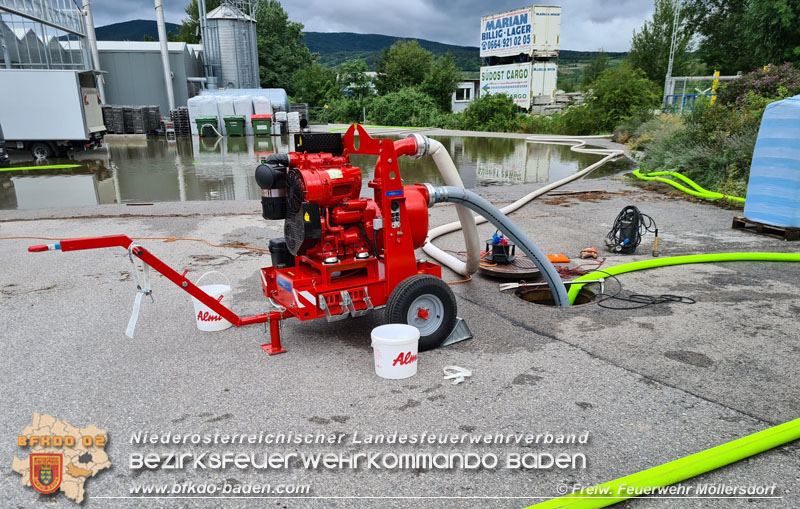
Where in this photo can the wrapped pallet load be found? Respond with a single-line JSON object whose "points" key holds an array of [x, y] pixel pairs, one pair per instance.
{"points": [[243, 106], [281, 121], [262, 105], [201, 106], [293, 121], [773, 192], [224, 109]]}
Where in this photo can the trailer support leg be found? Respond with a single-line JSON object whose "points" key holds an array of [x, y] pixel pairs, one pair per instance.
{"points": [[274, 346]]}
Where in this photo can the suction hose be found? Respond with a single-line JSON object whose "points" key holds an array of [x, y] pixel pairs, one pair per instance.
{"points": [[460, 196], [466, 221], [680, 260], [577, 144]]}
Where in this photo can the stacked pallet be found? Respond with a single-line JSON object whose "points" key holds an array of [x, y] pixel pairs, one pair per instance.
{"points": [[180, 119], [134, 119], [113, 119], [153, 118]]}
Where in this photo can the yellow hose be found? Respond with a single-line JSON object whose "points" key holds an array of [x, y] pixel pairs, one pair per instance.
{"points": [[694, 188]]}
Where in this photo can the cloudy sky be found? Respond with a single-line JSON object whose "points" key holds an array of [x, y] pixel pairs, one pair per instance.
{"points": [[586, 24]]}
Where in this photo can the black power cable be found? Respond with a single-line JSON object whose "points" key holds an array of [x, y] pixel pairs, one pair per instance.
{"points": [[638, 300], [629, 227]]}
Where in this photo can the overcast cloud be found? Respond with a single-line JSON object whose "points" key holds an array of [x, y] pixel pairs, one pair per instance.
{"points": [[586, 24]]}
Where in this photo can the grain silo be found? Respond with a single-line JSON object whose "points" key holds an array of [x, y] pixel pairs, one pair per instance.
{"points": [[231, 49]]}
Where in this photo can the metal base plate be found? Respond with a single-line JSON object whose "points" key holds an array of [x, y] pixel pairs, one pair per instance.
{"points": [[460, 333]]}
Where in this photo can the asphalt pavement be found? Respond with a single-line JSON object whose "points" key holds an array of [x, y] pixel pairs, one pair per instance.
{"points": [[648, 385]]}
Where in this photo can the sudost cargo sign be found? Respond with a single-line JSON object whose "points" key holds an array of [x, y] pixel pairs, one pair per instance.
{"points": [[513, 80], [507, 33]]}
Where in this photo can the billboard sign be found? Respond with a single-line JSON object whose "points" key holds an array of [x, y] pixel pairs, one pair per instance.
{"points": [[513, 80], [507, 33]]}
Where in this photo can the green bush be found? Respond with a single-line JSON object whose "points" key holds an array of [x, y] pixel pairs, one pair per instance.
{"points": [[627, 129], [617, 95], [651, 131], [406, 107], [346, 109], [495, 112], [445, 120], [541, 124], [774, 82]]}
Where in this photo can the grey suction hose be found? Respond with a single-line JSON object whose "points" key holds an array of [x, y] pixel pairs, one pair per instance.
{"points": [[459, 196]]}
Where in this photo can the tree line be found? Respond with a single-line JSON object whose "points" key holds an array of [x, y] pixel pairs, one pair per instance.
{"points": [[725, 35]]}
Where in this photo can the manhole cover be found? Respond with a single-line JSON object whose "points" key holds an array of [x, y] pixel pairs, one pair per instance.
{"points": [[543, 295], [520, 268]]}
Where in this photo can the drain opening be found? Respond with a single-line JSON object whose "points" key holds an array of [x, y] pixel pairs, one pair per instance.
{"points": [[544, 296]]}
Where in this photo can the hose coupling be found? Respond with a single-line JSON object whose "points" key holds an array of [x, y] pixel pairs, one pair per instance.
{"points": [[423, 145], [431, 194], [437, 194]]}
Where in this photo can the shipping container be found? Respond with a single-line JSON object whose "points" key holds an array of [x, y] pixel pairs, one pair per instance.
{"points": [[543, 82], [533, 31], [546, 31]]}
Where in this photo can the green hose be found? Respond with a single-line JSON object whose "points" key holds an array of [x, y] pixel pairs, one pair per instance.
{"points": [[46, 167], [681, 469], [680, 260], [695, 190]]}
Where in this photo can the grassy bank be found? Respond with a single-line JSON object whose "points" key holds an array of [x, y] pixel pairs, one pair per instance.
{"points": [[712, 143]]}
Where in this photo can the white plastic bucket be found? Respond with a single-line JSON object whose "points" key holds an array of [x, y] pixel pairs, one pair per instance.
{"points": [[207, 319], [395, 348]]}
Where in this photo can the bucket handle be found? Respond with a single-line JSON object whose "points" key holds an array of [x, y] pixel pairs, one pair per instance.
{"points": [[197, 283]]}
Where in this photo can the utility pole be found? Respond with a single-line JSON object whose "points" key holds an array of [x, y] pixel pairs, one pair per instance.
{"points": [[87, 11], [201, 18], [162, 39], [672, 47]]}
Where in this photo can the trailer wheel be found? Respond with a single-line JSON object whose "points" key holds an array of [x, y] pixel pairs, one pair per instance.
{"points": [[427, 303], [41, 150]]}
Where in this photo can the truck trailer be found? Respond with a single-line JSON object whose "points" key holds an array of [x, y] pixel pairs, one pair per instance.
{"points": [[50, 112]]}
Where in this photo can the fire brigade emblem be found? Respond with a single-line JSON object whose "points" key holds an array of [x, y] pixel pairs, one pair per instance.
{"points": [[46, 472]]}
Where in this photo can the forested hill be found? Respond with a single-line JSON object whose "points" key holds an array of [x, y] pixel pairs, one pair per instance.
{"points": [[336, 47], [133, 30]]}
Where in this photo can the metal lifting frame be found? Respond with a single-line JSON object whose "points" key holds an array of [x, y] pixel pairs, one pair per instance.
{"points": [[273, 318]]}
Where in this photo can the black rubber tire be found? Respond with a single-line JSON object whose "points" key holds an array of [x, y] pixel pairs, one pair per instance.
{"points": [[41, 150], [409, 290]]}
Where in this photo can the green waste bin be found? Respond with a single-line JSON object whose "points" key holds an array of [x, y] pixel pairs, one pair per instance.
{"points": [[203, 128], [234, 125], [261, 124]]}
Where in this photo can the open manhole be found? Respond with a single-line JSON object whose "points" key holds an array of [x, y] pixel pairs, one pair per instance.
{"points": [[543, 295]]}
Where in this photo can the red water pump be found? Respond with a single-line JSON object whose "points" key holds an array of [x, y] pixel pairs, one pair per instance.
{"points": [[343, 255]]}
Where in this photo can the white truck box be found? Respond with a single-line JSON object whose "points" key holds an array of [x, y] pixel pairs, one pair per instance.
{"points": [[60, 109], [534, 31], [543, 82]]}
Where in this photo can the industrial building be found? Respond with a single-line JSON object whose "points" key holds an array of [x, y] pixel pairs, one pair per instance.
{"points": [[134, 72]]}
